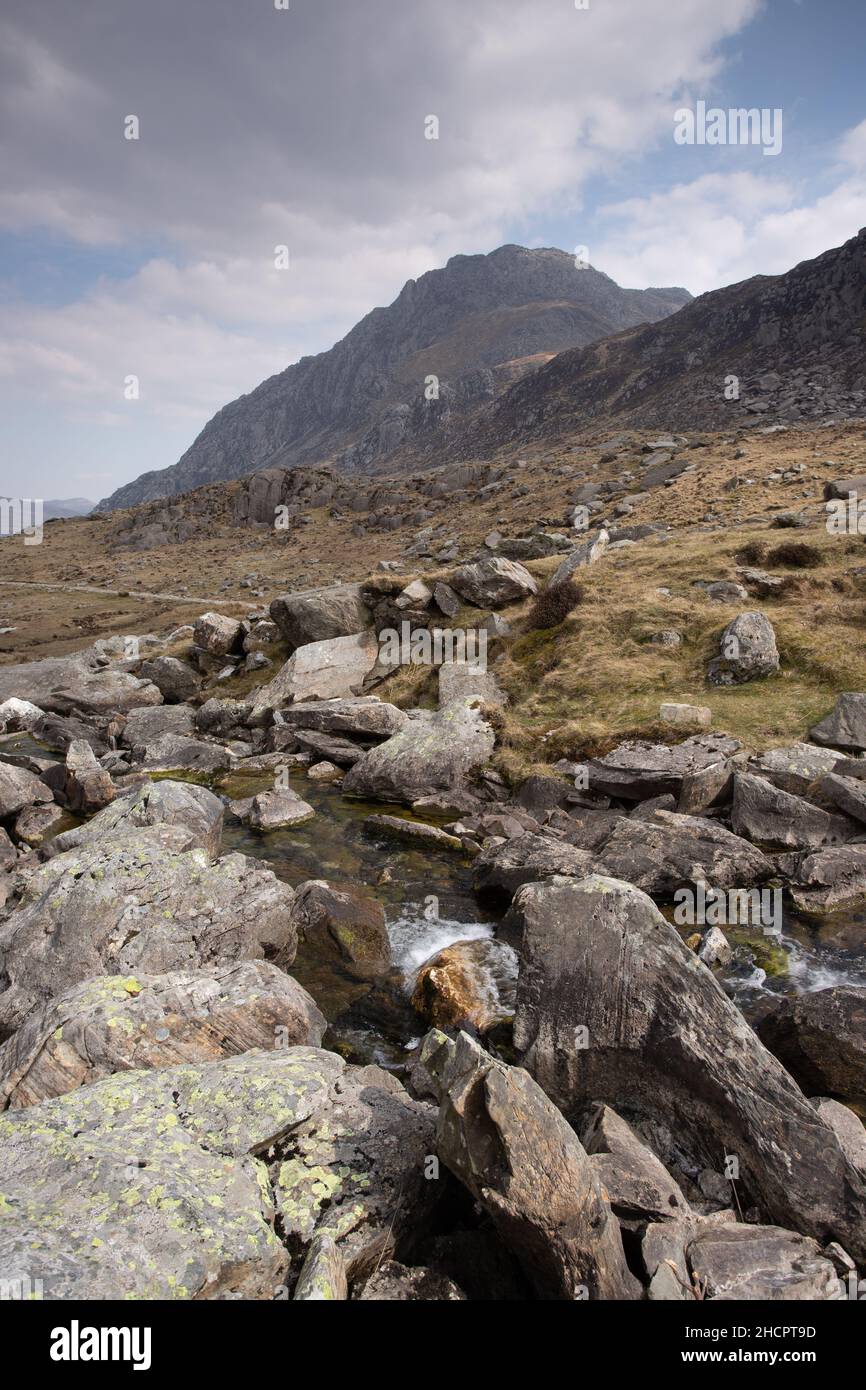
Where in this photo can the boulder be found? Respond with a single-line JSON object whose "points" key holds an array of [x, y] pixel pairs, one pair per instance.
{"points": [[503, 1139], [493, 583], [63, 684], [318, 615], [364, 717], [847, 1127], [637, 770], [844, 727], [848, 794], [87, 786], [584, 554], [18, 716], [774, 817], [748, 651], [280, 809], [467, 985], [666, 851], [613, 1007], [341, 751], [638, 1186], [112, 1023], [20, 788], [502, 868], [183, 805], [734, 1261], [686, 716], [136, 900], [794, 768], [466, 680], [222, 719], [35, 824], [335, 668], [435, 754], [218, 635], [413, 832], [829, 879], [179, 753], [344, 925], [446, 600], [175, 680], [821, 1039]]}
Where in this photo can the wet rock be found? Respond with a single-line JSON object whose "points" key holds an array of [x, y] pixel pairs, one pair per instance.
{"points": [[467, 985], [174, 680], [829, 879], [735, 1261], [637, 770], [413, 832], [180, 804], [318, 615], [715, 949], [20, 788], [136, 900], [508, 1144], [748, 651], [114, 1023], [773, 817], [435, 754], [335, 668], [395, 1283], [325, 772], [280, 809], [343, 924], [613, 1007], [218, 635], [638, 1186], [845, 727], [794, 768], [584, 554], [493, 583], [821, 1039]]}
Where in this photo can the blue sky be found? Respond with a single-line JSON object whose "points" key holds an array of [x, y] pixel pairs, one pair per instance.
{"points": [[155, 258]]}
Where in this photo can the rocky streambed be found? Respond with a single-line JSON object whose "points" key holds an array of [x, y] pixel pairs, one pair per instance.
{"points": [[298, 998]]}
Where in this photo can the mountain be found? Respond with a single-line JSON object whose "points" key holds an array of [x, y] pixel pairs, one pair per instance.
{"points": [[796, 344], [64, 507], [478, 324]]}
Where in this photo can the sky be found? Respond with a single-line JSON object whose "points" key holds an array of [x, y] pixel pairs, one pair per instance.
{"points": [[139, 290]]}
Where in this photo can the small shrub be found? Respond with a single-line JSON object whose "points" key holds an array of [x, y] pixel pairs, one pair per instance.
{"points": [[553, 605], [752, 553], [796, 555]]}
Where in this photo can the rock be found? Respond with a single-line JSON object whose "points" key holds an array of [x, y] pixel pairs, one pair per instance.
{"points": [[174, 680], [844, 728], [413, 832], [503, 1139], [467, 985], [260, 637], [178, 753], [446, 600], [495, 626], [725, 591], [638, 1186], [748, 651], [343, 924], [667, 851], [339, 750], [841, 487], [34, 823], [321, 671], [667, 637], [280, 809], [137, 900], [846, 793], [319, 615], [20, 788], [715, 949], [324, 772], [166, 1184], [708, 787], [829, 879], [688, 716], [637, 770], [62, 684], [847, 1127], [222, 719], [761, 583], [501, 869], [613, 1007], [218, 635], [493, 583], [87, 787], [180, 804], [821, 1039], [764, 813], [8, 853], [734, 1261], [363, 717], [323, 1274], [112, 1023], [415, 595], [145, 726], [395, 1283], [436, 754], [584, 554], [18, 715], [466, 680], [794, 768]]}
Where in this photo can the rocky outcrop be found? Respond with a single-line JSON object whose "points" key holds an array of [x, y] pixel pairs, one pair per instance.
{"points": [[748, 651], [317, 615], [638, 770], [433, 754], [493, 583], [613, 1007]]}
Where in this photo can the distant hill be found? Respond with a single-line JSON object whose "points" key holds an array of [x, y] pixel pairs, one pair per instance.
{"points": [[478, 325], [66, 507]]}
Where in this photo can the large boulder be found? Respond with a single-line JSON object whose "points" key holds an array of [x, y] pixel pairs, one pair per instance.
{"points": [[504, 866], [433, 754], [179, 753], [20, 788], [794, 768], [317, 615], [584, 554], [137, 900], [469, 984], [503, 1139], [493, 583], [218, 635], [747, 651], [144, 725], [762, 1263], [87, 786], [345, 926], [773, 817], [335, 668], [279, 809], [613, 1007], [112, 1023], [638, 1185], [63, 684], [844, 727], [829, 879], [175, 680], [664, 851], [363, 716], [821, 1039], [638, 770], [167, 1184], [181, 804]]}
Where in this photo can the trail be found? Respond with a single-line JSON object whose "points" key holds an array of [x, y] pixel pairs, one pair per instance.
{"points": [[122, 593]]}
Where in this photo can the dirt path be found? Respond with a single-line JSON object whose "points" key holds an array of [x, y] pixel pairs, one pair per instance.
{"points": [[122, 593]]}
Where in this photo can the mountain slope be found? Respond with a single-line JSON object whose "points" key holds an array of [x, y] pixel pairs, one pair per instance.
{"points": [[476, 324], [795, 342]]}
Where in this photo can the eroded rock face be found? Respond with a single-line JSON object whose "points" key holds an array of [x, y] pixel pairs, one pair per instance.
{"points": [[504, 1140], [166, 1184], [112, 1023], [613, 1007], [317, 615], [136, 900], [439, 753], [324, 670], [748, 651], [493, 583], [775, 817], [821, 1038]]}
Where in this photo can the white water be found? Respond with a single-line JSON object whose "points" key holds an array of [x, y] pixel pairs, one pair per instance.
{"points": [[414, 939]]}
